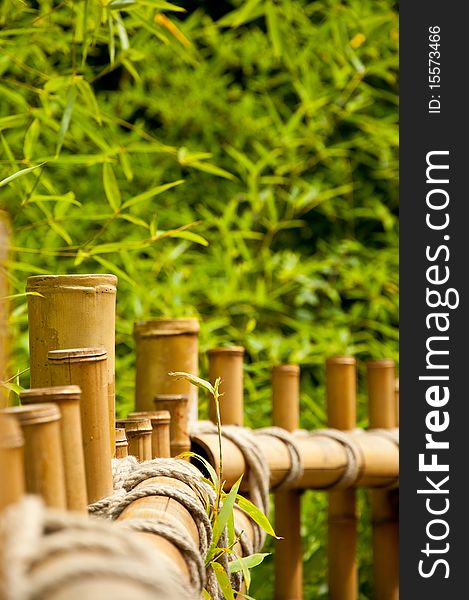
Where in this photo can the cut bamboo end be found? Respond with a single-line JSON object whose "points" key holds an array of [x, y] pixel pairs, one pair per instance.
{"points": [[43, 463], [177, 406], [72, 311], [227, 364], [139, 436], [11, 461], [87, 368], [67, 398], [341, 392], [161, 439], [122, 445], [164, 346]]}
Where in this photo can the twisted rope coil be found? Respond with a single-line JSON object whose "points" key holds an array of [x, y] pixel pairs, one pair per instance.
{"points": [[47, 551], [128, 474]]}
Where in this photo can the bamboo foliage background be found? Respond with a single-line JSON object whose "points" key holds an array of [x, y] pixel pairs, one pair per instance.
{"points": [[235, 161]]}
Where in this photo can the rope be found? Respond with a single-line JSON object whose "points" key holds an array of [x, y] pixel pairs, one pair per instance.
{"points": [[296, 465], [128, 474], [354, 465], [33, 535]]}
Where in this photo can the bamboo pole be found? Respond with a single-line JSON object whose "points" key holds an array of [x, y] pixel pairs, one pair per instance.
{"points": [[324, 460], [86, 367], [160, 437], [73, 311], [4, 291], [227, 363], [288, 556], [384, 504], [163, 346], [43, 463], [67, 398], [139, 436], [342, 517], [11, 461], [122, 445], [177, 406]]}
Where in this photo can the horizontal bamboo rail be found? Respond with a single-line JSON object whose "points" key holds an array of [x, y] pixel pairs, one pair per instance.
{"points": [[324, 459]]}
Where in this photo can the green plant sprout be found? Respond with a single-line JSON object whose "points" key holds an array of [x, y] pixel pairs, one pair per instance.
{"points": [[222, 510]]}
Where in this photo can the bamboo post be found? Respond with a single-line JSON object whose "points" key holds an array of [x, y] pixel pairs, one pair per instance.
{"points": [[384, 503], [86, 367], [342, 517], [122, 445], [4, 242], [288, 556], [73, 311], [11, 461], [177, 406], [163, 346], [43, 463], [160, 437], [227, 363], [67, 398], [139, 436]]}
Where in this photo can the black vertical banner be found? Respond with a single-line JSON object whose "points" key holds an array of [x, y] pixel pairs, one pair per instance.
{"points": [[434, 270]]}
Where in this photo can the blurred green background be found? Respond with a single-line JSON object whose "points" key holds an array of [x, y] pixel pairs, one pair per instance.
{"points": [[236, 161]]}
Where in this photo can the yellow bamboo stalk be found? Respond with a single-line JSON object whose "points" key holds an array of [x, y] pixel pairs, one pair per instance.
{"points": [[86, 367], [72, 311], [288, 556], [43, 462], [163, 346], [384, 503], [227, 363], [177, 406], [139, 435], [342, 517], [160, 437], [11, 461], [67, 398], [122, 445]]}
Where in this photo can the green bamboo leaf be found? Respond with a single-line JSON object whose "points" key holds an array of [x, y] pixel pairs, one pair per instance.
{"points": [[121, 4], [206, 595], [111, 188], [155, 191], [191, 236], [226, 510], [273, 28], [61, 231], [12, 387], [65, 123], [112, 268], [212, 169], [111, 43], [256, 515], [20, 174], [162, 5], [30, 139], [135, 220], [223, 580], [87, 93], [251, 561], [241, 561], [200, 383], [12, 121], [68, 198]]}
